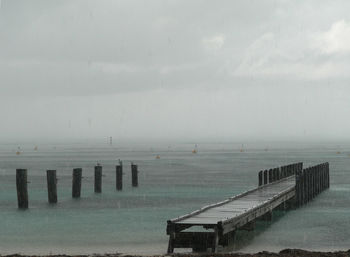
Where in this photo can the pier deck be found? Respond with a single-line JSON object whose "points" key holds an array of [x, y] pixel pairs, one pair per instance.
{"points": [[229, 215], [216, 224]]}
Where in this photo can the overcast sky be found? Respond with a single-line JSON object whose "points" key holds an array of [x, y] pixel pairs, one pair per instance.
{"points": [[179, 70]]}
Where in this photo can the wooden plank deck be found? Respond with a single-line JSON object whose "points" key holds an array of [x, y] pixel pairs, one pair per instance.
{"points": [[290, 184], [225, 217]]}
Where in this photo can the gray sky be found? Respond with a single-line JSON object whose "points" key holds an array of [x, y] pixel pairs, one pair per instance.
{"points": [[191, 70]]}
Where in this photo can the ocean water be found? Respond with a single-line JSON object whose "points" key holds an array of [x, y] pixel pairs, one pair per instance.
{"points": [[134, 220]]}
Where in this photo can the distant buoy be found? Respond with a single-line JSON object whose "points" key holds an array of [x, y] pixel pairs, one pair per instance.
{"points": [[242, 149], [35, 148]]}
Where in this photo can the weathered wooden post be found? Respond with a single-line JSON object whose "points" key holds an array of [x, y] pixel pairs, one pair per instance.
{"points": [[315, 180], [51, 186], [302, 187], [300, 166], [76, 184], [308, 186], [311, 184], [265, 177], [22, 191], [260, 175], [298, 189], [98, 178], [274, 174], [270, 176], [323, 177], [319, 176], [134, 175], [119, 176], [305, 181], [327, 169]]}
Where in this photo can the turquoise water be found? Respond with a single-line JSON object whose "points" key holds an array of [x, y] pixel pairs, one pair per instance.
{"points": [[134, 220]]}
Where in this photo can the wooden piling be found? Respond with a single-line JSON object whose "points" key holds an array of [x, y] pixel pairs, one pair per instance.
{"points": [[274, 174], [318, 179], [302, 187], [308, 186], [260, 176], [265, 177], [279, 174], [315, 180], [327, 169], [51, 186], [304, 183], [284, 171], [119, 177], [134, 175], [270, 176], [76, 183], [22, 191], [98, 179], [298, 189]]}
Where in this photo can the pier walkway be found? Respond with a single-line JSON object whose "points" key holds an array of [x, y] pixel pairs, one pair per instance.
{"points": [[218, 222]]}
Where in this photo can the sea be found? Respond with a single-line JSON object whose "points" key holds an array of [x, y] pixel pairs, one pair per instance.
{"points": [[134, 220]]}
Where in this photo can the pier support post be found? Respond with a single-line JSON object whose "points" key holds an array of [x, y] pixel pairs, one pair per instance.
{"points": [[51, 186], [76, 184], [98, 179], [215, 241], [306, 185], [260, 176], [298, 188], [22, 191], [309, 198], [134, 175], [119, 176], [265, 177], [302, 187], [324, 176], [270, 176], [267, 216], [283, 171]]}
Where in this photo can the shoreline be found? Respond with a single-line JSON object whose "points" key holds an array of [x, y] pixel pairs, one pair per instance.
{"points": [[282, 253]]}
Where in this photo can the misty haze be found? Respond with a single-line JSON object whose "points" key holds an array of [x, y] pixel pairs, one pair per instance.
{"points": [[161, 126]]}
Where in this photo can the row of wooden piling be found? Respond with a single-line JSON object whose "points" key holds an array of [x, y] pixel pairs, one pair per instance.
{"points": [[310, 182], [275, 174], [22, 190]]}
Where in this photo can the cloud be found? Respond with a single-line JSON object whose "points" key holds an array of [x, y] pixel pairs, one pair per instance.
{"points": [[336, 40], [317, 57], [214, 43]]}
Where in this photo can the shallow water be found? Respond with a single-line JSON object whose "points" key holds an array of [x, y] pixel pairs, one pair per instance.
{"points": [[134, 220]]}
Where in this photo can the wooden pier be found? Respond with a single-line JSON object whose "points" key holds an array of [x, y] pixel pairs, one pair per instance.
{"points": [[220, 221]]}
